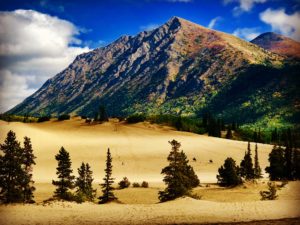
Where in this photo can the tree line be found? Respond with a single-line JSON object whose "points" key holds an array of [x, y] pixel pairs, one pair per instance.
{"points": [[17, 185]]}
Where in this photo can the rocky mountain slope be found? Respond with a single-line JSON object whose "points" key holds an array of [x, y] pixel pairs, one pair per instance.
{"points": [[178, 68], [278, 44]]}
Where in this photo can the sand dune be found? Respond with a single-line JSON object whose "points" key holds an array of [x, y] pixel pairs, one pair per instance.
{"points": [[139, 151], [184, 210]]}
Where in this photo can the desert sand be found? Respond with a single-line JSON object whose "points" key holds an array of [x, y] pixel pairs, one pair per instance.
{"points": [[139, 152]]}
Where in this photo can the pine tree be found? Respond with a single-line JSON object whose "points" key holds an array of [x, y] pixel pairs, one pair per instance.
{"points": [[229, 133], [107, 188], [229, 174], [28, 161], [180, 177], [257, 169], [84, 182], [11, 172], [246, 166], [64, 173], [102, 114], [276, 170]]}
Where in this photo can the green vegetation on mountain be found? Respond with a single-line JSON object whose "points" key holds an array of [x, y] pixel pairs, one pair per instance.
{"points": [[177, 73]]}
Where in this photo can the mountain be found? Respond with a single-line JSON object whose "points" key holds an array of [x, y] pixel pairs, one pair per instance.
{"points": [[278, 44], [178, 68]]}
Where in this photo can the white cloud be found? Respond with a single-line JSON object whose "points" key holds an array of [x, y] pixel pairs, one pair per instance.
{"points": [[246, 33], [282, 22], [213, 22], [244, 5], [33, 48], [149, 27]]}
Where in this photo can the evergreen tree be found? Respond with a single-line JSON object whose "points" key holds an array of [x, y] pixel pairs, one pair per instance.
{"points": [[229, 174], [229, 133], [102, 114], [257, 169], [84, 182], [11, 171], [28, 161], [274, 136], [276, 170], [65, 177], [296, 164], [233, 126], [107, 188], [246, 166], [180, 177]]}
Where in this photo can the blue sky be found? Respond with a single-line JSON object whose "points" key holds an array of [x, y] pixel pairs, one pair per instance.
{"points": [[105, 21], [39, 38]]}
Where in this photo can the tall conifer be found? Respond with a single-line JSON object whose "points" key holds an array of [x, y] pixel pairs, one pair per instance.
{"points": [[107, 188]]}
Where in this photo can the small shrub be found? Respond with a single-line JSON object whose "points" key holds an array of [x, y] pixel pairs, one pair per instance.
{"points": [[136, 118], [271, 193], [145, 184], [195, 196], [83, 117], [64, 117], [124, 183], [136, 185], [43, 119]]}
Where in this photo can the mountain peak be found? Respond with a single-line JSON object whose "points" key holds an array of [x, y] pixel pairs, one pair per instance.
{"points": [[148, 72], [271, 36], [279, 44]]}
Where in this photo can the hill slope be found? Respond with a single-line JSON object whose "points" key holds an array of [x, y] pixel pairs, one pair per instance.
{"points": [[278, 44], [178, 68]]}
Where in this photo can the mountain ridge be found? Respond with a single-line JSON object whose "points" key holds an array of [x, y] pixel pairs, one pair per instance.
{"points": [[177, 68]]}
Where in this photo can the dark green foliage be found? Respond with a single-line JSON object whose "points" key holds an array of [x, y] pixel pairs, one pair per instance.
{"points": [[271, 193], [257, 169], [136, 118], [64, 117], [85, 191], [275, 136], [229, 174], [296, 164], [246, 166], [190, 124], [28, 161], [180, 177], [107, 188], [16, 182], [136, 185], [101, 114], [247, 104], [65, 178], [43, 119], [124, 183], [276, 170], [145, 184], [214, 127], [18, 118], [229, 133]]}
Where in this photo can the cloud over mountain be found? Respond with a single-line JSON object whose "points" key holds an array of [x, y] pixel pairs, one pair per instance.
{"points": [[33, 47]]}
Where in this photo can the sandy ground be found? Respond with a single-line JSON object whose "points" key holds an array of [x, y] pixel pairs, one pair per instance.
{"points": [[180, 211], [139, 152]]}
